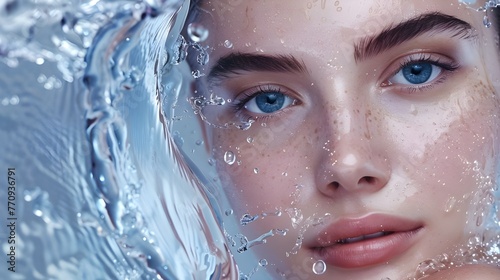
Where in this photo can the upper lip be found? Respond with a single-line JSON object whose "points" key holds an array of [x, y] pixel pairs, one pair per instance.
{"points": [[353, 229]]}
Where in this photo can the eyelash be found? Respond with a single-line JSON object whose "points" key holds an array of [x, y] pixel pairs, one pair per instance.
{"points": [[419, 58], [239, 103]]}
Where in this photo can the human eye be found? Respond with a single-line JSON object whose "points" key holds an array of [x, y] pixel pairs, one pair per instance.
{"points": [[264, 100], [421, 71]]}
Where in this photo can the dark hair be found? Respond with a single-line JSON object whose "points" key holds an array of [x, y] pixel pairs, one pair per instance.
{"points": [[496, 19]]}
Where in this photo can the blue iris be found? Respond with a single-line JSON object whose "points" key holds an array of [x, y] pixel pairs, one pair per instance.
{"points": [[417, 73], [270, 102]]}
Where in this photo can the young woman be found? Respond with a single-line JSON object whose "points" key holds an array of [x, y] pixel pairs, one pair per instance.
{"points": [[366, 130]]}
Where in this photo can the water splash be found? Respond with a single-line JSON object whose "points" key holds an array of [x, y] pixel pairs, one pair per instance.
{"points": [[108, 58], [486, 7], [246, 244]]}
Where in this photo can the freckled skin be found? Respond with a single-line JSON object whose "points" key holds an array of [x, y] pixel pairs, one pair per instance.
{"points": [[353, 146]]}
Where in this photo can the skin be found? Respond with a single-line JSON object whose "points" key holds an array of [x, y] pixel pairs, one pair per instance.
{"points": [[355, 141]]}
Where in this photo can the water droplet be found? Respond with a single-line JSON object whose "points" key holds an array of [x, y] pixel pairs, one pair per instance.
{"points": [[247, 218], [284, 174], [199, 142], [319, 267], [211, 161], [479, 220], [203, 57], [228, 44], [178, 139], [229, 212], [197, 74], [428, 267], [229, 157], [486, 21], [197, 32], [295, 216], [263, 262], [450, 204], [249, 140], [255, 170], [245, 125]]}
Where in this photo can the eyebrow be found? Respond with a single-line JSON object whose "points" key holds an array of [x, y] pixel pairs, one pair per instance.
{"points": [[395, 35], [235, 63]]}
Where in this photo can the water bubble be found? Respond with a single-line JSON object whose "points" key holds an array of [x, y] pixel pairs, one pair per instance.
{"points": [[197, 32], [211, 161], [228, 44], [229, 212], [199, 142], [249, 140], [255, 170], [263, 262], [229, 157], [319, 267]]}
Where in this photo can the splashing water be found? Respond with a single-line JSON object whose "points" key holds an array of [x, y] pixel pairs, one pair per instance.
{"points": [[486, 7], [81, 77]]}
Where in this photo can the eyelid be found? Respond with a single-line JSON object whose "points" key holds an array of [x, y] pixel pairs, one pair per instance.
{"points": [[242, 98], [447, 64]]}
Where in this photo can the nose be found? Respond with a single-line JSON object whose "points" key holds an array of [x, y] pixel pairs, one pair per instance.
{"points": [[352, 159]]}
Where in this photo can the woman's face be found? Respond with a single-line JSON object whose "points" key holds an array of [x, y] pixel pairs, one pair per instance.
{"points": [[374, 126]]}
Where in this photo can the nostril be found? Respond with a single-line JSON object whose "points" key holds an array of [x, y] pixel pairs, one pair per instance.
{"points": [[367, 179], [335, 185]]}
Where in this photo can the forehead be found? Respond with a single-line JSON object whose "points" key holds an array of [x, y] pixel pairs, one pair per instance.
{"points": [[299, 15], [312, 27]]}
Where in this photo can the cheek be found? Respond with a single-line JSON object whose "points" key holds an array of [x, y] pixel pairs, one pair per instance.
{"points": [[451, 167], [270, 165]]}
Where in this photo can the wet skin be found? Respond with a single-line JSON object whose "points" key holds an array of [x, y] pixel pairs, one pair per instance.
{"points": [[393, 140]]}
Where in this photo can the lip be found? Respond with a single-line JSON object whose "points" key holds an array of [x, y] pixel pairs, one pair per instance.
{"points": [[340, 244]]}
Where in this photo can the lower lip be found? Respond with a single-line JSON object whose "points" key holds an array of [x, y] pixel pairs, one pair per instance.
{"points": [[368, 252]]}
